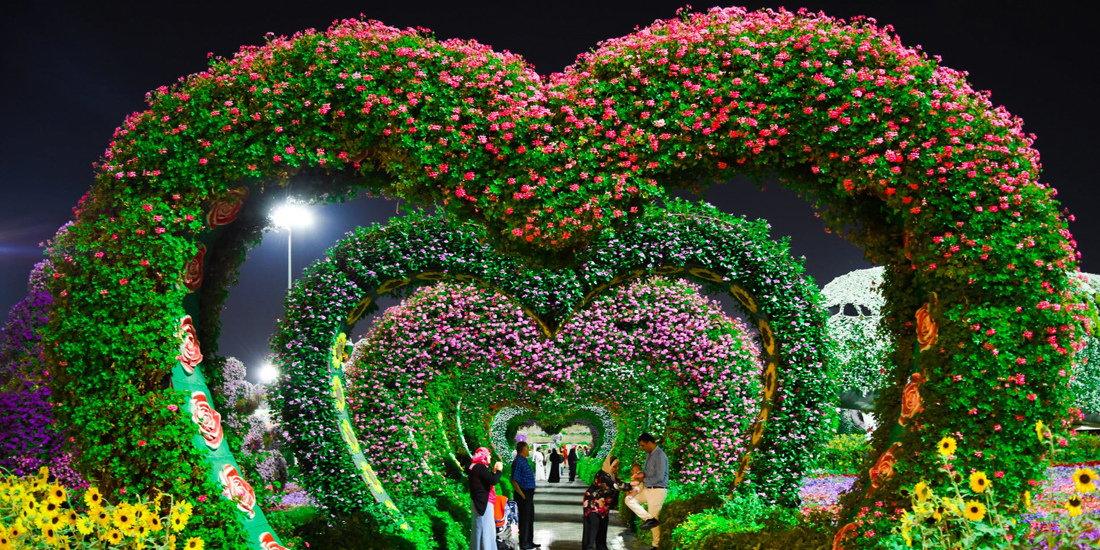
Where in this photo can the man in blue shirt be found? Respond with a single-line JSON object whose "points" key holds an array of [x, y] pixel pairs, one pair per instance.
{"points": [[654, 477], [523, 484]]}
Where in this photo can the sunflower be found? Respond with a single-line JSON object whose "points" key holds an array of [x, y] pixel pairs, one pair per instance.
{"points": [[124, 518], [978, 482], [938, 512], [922, 491], [56, 494], [93, 499], [5, 542], [85, 526], [102, 517], [1083, 478], [975, 511], [1040, 429], [194, 543], [49, 509], [947, 446], [114, 536], [154, 523], [1074, 506], [49, 534]]}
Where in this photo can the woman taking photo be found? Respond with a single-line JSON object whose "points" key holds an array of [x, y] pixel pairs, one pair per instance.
{"points": [[599, 499], [483, 493]]}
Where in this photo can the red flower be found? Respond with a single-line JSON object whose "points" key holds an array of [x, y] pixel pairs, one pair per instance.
{"points": [[267, 542], [884, 467], [209, 420], [192, 272], [190, 354], [225, 211], [927, 331], [238, 490], [910, 398]]}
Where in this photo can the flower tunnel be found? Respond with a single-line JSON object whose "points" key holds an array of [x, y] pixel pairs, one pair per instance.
{"points": [[902, 154], [547, 337]]}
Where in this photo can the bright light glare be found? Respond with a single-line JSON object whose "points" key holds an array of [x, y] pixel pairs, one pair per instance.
{"points": [[291, 216], [268, 373]]}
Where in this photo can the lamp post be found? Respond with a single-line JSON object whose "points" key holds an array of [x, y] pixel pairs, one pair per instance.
{"points": [[288, 216]]}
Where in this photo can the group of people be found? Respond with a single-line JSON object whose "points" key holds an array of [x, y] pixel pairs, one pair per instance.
{"points": [[647, 485], [549, 465]]}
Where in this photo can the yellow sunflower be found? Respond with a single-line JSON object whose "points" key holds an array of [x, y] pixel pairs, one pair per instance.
{"points": [[194, 543], [947, 446], [92, 498], [123, 518], [102, 517], [978, 482], [922, 491], [114, 536], [1074, 506], [49, 534], [1084, 479], [1040, 429], [154, 523], [56, 494], [975, 511], [5, 543], [84, 525]]}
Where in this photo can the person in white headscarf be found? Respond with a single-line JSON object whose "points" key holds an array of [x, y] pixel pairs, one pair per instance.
{"points": [[599, 499], [540, 465]]}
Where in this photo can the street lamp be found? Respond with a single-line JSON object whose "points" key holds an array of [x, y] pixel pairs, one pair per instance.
{"points": [[288, 216], [268, 373]]}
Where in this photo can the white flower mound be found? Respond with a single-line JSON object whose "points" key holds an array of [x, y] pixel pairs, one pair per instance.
{"points": [[861, 350]]}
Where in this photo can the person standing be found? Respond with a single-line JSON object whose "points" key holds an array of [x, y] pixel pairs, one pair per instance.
{"points": [[483, 493], [555, 463], [573, 463], [540, 465], [523, 483], [654, 476]]}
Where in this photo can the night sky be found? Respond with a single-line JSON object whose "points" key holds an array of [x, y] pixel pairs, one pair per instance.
{"points": [[71, 72]]}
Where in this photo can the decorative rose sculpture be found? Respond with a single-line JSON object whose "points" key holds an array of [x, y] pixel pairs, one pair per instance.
{"points": [[225, 210], [884, 467], [843, 534], [237, 489], [192, 272], [910, 398], [927, 331], [208, 419], [267, 542], [190, 354]]}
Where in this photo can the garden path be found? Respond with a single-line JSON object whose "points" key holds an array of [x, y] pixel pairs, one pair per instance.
{"points": [[558, 519]]}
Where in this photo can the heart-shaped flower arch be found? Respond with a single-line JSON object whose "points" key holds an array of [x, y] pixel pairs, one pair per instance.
{"points": [[919, 168], [724, 253]]}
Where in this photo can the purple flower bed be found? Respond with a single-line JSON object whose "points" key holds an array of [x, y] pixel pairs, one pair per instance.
{"points": [[29, 437]]}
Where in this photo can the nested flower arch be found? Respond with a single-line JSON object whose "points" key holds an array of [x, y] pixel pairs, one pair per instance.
{"points": [[724, 253], [940, 187]]}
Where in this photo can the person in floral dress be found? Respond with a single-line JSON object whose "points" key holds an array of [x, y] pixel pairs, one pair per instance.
{"points": [[599, 499]]}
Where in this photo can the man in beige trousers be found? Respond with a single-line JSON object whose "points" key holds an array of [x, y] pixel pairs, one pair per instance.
{"points": [[654, 477]]}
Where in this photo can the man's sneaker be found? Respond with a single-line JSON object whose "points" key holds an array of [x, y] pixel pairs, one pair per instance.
{"points": [[649, 524]]}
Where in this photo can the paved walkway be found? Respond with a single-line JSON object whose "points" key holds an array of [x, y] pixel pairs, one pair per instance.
{"points": [[558, 519]]}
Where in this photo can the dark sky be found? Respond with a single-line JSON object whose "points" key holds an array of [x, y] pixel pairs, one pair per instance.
{"points": [[72, 71]]}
